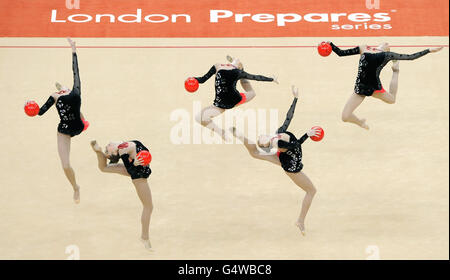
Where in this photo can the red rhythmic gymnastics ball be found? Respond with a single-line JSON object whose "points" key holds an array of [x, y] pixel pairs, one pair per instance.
{"points": [[191, 84], [321, 134], [145, 156], [31, 108], [324, 49]]}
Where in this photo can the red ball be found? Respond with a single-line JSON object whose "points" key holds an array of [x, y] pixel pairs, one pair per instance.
{"points": [[31, 108], [191, 84], [324, 49], [321, 135], [145, 156]]}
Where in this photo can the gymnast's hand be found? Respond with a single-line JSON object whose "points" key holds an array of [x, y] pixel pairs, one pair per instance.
{"points": [[138, 161], [313, 132], [433, 50], [72, 44], [294, 91], [275, 79]]}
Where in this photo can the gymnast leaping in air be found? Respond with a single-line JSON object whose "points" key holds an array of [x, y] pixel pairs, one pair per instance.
{"points": [[227, 96], [72, 123], [289, 156], [368, 82], [132, 166]]}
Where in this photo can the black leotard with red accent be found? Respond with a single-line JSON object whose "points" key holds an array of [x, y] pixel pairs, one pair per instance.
{"points": [[68, 106], [136, 172], [370, 66], [291, 160], [227, 96]]}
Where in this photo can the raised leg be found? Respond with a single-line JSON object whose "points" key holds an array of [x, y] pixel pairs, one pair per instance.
{"points": [[249, 92], [205, 118], [252, 149], [117, 168], [391, 96]]}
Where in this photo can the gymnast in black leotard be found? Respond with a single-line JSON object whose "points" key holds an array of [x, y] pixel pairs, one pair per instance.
{"points": [[227, 96], [368, 83], [289, 156], [68, 103], [290, 149], [132, 166], [135, 171]]}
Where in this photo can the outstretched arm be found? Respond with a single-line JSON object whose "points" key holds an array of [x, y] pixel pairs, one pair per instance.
{"points": [[47, 105], [245, 75], [208, 75], [76, 73], [291, 145], [288, 145], [347, 52], [315, 131], [397, 56], [303, 138], [290, 113]]}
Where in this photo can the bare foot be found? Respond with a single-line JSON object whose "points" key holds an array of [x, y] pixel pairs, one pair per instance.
{"points": [[95, 146], [147, 244], [76, 195], [301, 226], [395, 65], [363, 124]]}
